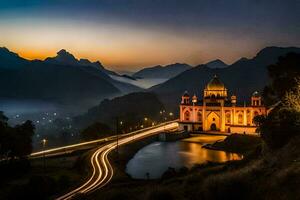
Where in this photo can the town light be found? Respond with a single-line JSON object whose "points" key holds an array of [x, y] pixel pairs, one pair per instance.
{"points": [[44, 142]]}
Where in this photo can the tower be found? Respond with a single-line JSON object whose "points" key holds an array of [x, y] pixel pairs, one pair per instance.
{"points": [[233, 100], [256, 99], [185, 99]]}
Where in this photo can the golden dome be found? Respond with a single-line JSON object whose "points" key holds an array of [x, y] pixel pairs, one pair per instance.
{"points": [[215, 84]]}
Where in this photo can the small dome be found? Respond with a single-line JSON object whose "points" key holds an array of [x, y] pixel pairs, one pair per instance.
{"points": [[255, 94], [186, 94], [215, 84]]}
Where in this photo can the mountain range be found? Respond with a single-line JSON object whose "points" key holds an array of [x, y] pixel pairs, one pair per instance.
{"points": [[241, 78], [172, 70], [67, 80], [62, 79]]}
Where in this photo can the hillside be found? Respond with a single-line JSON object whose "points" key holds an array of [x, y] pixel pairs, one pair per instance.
{"points": [[241, 78], [62, 79], [129, 108]]}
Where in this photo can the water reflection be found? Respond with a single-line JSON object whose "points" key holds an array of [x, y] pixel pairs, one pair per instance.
{"points": [[158, 156]]}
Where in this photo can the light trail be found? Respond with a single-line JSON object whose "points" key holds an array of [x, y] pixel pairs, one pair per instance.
{"points": [[102, 169], [77, 146]]}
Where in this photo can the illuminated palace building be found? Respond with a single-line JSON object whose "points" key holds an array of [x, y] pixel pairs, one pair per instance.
{"points": [[217, 112]]}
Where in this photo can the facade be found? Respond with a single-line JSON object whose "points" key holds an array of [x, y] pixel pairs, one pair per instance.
{"points": [[218, 112]]}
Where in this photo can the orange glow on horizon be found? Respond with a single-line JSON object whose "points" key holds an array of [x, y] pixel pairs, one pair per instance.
{"points": [[119, 46]]}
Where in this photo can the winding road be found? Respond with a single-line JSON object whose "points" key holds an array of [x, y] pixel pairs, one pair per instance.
{"points": [[102, 169]]}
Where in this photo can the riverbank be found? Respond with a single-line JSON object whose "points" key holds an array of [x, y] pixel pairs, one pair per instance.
{"points": [[271, 175], [237, 143], [119, 158]]}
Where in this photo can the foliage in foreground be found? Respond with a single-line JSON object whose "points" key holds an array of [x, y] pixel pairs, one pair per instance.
{"points": [[283, 122], [15, 142]]}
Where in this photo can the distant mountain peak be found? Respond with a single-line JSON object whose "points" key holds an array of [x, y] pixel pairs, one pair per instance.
{"points": [[242, 59], [214, 64], [7, 52], [65, 56], [162, 72], [4, 49], [273, 52], [10, 60], [86, 62]]}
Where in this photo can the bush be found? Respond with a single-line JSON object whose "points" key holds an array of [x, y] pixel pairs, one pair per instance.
{"points": [[279, 127], [170, 173]]}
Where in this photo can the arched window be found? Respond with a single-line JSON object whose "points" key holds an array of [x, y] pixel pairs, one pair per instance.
{"points": [[199, 116], [240, 119], [228, 120], [187, 116]]}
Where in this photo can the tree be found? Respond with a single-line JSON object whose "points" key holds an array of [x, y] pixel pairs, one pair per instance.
{"points": [[22, 139], [96, 131], [3, 118], [15, 141], [282, 75], [283, 122], [291, 100]]}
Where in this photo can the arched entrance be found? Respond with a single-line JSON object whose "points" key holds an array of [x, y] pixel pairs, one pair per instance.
{"points": [[213, 127], [213, 122]]}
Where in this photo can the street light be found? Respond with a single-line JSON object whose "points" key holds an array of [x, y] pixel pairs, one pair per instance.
{"points": [[44, 142]]}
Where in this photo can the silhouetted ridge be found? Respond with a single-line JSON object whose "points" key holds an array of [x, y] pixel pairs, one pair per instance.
{"points": [[11, 60], [163, 72], [216, 64]]}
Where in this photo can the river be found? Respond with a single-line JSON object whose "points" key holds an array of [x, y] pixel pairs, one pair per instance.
{"points": [[157, 157]]}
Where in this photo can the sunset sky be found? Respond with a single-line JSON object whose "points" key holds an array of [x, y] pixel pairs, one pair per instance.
{"points": [[131, 34]]}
